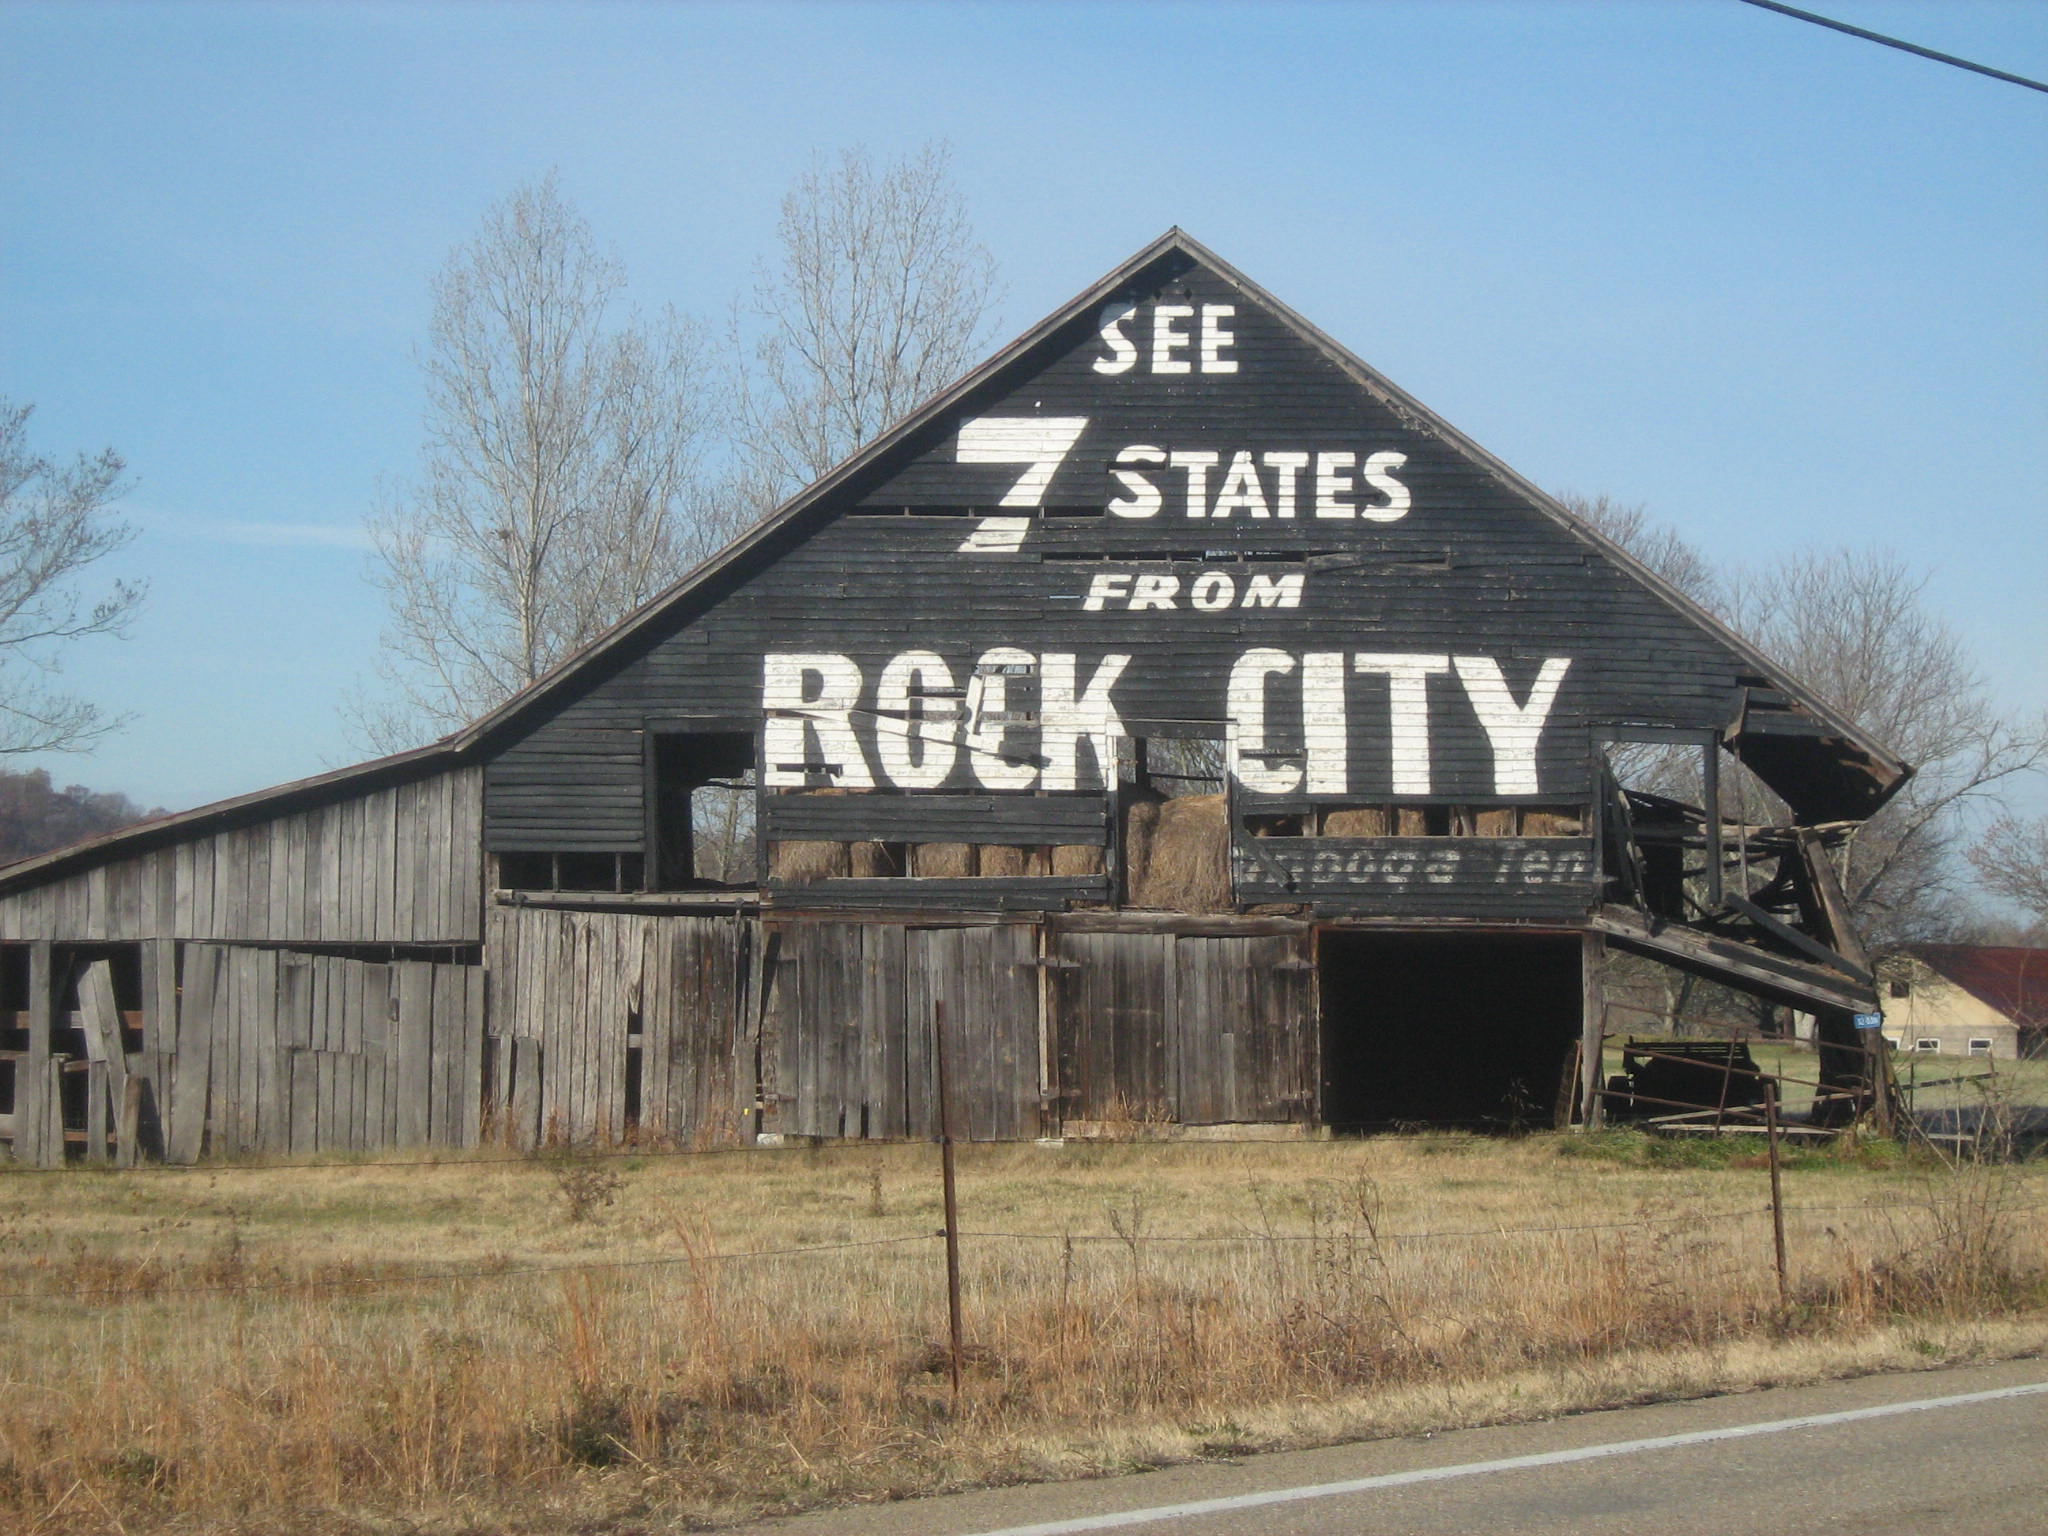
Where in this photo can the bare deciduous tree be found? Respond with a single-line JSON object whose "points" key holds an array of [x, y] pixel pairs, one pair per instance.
{"points": [[880, 296], [1854, 626], [1657, 545], [561, 483], [2012, 862], [55, 521]]}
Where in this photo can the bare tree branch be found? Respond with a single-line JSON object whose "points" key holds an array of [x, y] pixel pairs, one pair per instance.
{"points": [[2012, 863], [560, 485], [881, 297], [55, 521]]}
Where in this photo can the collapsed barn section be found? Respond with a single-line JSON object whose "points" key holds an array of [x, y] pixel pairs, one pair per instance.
{"points": [[1173, 722]]}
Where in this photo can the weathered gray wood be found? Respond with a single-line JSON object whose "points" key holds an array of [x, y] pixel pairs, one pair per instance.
{"points": [[414, 1055], [526, 1066], [303, 1074], [31, 1132], [96, 1127], [469, 1076], [1593, 1029], [160, 999], [47, 1089], [1111, 1007], [191, 1075], [373, 1104], [100, 1017]]}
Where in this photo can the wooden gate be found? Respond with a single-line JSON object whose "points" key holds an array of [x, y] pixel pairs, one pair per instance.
{"points": [[852, 1007], [1190, 1029]]}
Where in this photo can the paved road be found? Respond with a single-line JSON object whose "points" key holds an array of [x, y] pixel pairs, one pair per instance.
{"points": [[1962, 1451]]}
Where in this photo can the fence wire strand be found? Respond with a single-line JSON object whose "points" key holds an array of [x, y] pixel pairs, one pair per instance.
{"points": [[361, 1283]]}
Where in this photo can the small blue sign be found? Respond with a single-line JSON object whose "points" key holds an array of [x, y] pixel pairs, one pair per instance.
{"points": [[1870, 1021]]}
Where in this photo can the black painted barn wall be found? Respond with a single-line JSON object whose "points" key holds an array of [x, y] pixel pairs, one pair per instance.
{"points": [[1470, 570]]}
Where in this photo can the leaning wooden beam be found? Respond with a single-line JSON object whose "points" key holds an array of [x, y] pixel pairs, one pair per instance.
{"points": [[1592, 1027], [192, 1071], [1821, 871], [100, 1014]]}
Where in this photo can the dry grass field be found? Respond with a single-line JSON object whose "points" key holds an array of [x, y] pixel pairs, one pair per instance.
{"points": [[656, 1343]]}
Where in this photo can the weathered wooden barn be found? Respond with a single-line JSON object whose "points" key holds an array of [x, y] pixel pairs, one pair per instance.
{"points": [[1208, 732]]}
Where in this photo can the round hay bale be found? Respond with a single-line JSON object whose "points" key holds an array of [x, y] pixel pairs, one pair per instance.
{"points": [[872, 861], [1355, 821], [1187, 857]]}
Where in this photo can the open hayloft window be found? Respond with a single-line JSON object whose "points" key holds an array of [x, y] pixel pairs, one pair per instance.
{"points": [[1173, 807], [537, 871], [701, 788]]}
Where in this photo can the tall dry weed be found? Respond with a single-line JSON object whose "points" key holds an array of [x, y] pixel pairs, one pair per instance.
{"points": [[752, 1333]]}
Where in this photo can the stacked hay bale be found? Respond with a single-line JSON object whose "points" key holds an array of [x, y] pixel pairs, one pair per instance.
{"points": [[1177, 854]]}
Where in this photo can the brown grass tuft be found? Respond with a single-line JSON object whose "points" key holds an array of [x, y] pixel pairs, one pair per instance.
{"points": [[241, 1349]]}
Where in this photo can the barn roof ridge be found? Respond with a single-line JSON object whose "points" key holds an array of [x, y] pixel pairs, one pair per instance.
{"points": [[474, 740]]}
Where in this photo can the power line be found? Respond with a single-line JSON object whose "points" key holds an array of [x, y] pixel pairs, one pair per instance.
{"points": [[1894, 42]]}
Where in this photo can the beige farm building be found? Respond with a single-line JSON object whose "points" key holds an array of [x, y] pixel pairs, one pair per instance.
{"points": [[1967, 1000]]}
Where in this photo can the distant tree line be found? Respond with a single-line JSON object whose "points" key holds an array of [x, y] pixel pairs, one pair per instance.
{"points": [[36, 816]]}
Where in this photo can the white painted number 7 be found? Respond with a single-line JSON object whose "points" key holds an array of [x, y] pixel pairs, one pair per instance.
{"points": [[1042, 442]]}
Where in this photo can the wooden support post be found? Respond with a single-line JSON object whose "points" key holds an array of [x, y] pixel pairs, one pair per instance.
{"points": [[38, 1129], [952, 1204], [1592, 1028], [128, 1126], [51, 1102], [100, 1014], [1777, 1199], [95, 1111]]}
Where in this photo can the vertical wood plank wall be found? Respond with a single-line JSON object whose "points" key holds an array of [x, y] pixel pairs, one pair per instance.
{"points": [[316, 1053], [397, 865], [1191, 1029], [609, 1024], [848, 1048], [255, 1035]]}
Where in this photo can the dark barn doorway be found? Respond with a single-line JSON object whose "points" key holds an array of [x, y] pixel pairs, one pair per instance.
{"points": [[1470, 1030]]}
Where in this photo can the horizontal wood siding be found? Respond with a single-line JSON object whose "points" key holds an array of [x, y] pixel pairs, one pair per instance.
{"points": [[1472, 570], [1481, 877], [398, 865]]}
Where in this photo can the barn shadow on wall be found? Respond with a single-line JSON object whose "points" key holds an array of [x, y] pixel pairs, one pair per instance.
{"points": [[1429, 1029]]}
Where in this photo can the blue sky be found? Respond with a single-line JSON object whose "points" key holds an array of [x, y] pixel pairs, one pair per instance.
{"points": [[1786, 287]]}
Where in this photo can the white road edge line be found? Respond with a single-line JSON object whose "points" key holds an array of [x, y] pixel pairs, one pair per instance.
{"points": [[1165, 1512]]}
